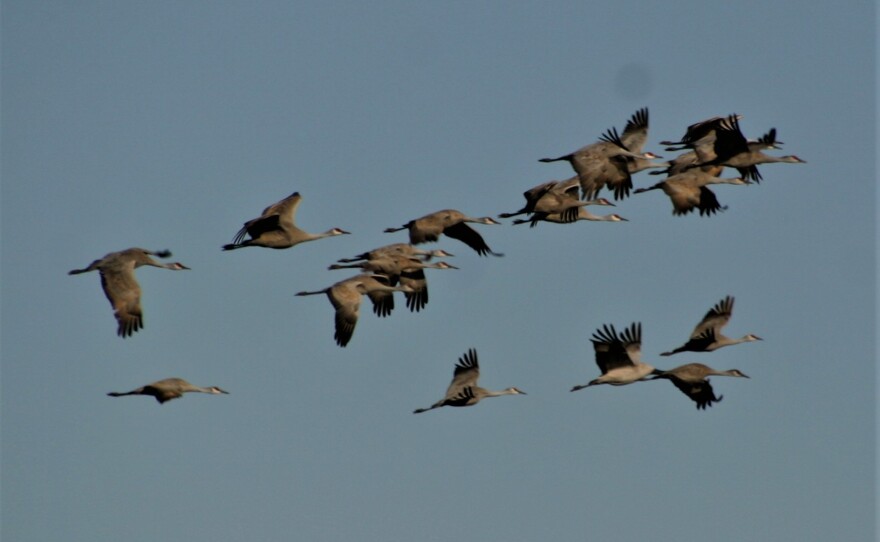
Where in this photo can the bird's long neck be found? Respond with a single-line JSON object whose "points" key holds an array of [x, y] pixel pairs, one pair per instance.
{"points": [[723, 180], [490, 393]]}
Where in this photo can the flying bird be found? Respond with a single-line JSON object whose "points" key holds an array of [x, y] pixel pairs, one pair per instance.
{"points": [[619, 356], [692, 380], [276, 228], [345, 296], [398, 269], [707, 336], [611, 161], [451, 223], [121, 287], [168, 389], [463, 390], [688, 191]]}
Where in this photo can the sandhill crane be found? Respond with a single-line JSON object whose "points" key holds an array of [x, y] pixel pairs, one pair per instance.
{"points": [[619, 357], [406, 271], [582, 214], [402, 249], [453, 224], [168, 389], [730, 148], [688, 160], [692, 380], [536, 193], [121, 287], [707, 336], [688, 191], [345, 296], [276, 228], [557, 198], [606, 163], [696, 132], [463, 390]]}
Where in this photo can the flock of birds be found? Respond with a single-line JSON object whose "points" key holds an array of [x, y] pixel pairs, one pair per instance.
{"points": [[709, 146]]}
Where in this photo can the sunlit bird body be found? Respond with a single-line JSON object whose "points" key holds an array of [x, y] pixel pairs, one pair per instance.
{"points": [[619, 356], [276, 228], [607, 162], [345, 296], [168, 389], [121, 287], [689, 190], [463, 390], [398, 249], [730, 148], [556, 199], [692, 380], [451, 223], [707, 336], [404, 270]]}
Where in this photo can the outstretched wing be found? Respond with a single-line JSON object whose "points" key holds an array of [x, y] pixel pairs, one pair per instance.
{"points": [[700, 392], [715, 319], [613, 350], [466, 374], [124, 294], [468, 236]]}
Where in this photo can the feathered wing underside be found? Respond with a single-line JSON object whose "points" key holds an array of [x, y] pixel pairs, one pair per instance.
{"points": [[124, 294], [383, 302], [466, 374], [716, 318], [464, 397], [415, 279], [161, 395], [708, 202], [635, 133], [273, 218], [614, 351], [468, 236], [286, 207], [345, 320], [258, 227], [346, 300], [699, 392]]}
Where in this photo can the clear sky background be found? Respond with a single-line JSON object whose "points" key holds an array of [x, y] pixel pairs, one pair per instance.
{"points": [[169, 124]]}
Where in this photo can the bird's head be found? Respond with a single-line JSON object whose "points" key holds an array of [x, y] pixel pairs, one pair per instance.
{"points": [[752, 337], [737, 372], [339, 231], [515, 391], [617, 218], [216, 390], [603, 202], [177, 266]]}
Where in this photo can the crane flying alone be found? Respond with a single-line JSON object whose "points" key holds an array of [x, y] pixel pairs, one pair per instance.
{"points": [[168, 389], [463, 390], [121, 287], [276, 228]]}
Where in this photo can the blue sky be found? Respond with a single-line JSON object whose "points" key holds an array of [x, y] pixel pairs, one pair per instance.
{"points": [[167, 125]]}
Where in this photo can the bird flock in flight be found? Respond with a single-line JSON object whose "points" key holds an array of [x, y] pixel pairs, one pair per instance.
{"points": [[708, 147]]}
